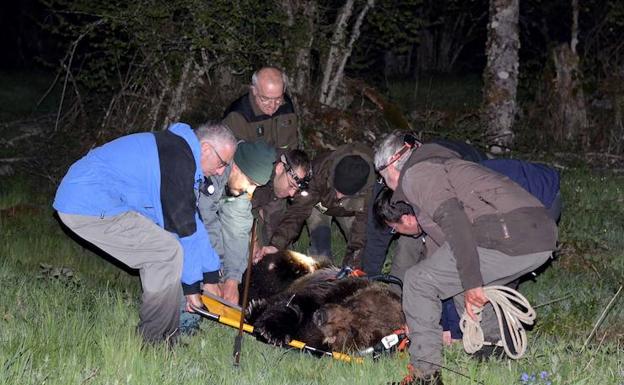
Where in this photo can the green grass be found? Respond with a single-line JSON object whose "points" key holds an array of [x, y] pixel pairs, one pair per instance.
{"points": [[77, 326]]}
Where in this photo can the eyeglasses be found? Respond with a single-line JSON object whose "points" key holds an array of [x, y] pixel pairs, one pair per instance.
{"points": [[279, 100], [300, 184], [222, 163], [409, 142], [269, 101]]}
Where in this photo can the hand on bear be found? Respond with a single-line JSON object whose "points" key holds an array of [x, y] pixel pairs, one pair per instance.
{"points": [[261, 252]]}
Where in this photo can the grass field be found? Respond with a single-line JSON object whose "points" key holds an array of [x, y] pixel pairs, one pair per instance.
{"points": [[68, 317]]}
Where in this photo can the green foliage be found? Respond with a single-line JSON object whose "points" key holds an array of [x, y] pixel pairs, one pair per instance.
{"points": [[394, 25], [593, 209], [442, 106], [129, 61], [230, 33]]}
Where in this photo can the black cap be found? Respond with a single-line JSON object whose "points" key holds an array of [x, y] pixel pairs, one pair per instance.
{"points": [[351, 174]]}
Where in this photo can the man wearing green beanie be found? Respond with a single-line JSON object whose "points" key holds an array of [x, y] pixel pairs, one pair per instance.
{"points": [[225, 208], [252, 167]]}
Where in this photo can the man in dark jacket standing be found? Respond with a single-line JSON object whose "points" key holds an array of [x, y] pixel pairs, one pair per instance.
{"points": [[482, 228], [340, 187], [266, 112]]}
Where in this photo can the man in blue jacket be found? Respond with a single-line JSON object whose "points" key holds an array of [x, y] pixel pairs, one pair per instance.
{"points": [[135, 198]]}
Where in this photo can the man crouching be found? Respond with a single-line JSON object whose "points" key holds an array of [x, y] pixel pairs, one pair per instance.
{"points": [[481, 229]]}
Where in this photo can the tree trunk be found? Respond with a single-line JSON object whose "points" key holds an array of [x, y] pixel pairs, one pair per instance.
{"points": [[336, 46], [569, 118], [301, 18], [179, 100], [425, 53], [500, 77], [340, 50], [568, 113]]}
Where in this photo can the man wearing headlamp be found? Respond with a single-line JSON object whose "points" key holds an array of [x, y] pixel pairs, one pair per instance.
{"points": [[340, 188], [291, 177]]}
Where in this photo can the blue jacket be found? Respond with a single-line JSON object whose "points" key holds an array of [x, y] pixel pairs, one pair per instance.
{"points": [[125, 175], [538, 179]]}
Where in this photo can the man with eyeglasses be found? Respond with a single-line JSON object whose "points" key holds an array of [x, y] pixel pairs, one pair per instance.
{"points": [[291, 176], [266, 112], [538, 179], [340, 188], [482, 229], [223, 217], [135, 198]]}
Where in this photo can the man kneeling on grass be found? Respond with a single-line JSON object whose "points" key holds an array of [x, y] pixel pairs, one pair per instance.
{"points": [[135, 198], [481, 229]]}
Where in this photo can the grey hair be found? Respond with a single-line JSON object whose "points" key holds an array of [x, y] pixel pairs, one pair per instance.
{"points": [[390, 145], [254, 77], [217, 133]]}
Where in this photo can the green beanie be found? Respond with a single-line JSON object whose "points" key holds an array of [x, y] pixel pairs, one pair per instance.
{"points": [[255, 160]]}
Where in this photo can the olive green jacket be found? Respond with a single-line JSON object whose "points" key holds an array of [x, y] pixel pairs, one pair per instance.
{"points": [[249, 123]]}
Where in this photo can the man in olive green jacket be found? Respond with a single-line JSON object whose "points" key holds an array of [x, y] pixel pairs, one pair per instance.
{"points": [[266, 112]]}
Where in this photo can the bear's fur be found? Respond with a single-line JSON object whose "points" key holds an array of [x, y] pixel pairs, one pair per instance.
{"points": [[295, 297]]}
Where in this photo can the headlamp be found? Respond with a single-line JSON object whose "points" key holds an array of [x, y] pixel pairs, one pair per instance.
{"points": [[409, 142], [302, 183]]}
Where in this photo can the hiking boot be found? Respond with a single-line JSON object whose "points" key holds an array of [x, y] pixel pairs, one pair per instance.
{"points": [[413, 378], [495, 351], [487, 352]]}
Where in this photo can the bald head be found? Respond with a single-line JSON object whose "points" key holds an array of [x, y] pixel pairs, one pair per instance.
{"points": [[269, 76], [267, 86]]}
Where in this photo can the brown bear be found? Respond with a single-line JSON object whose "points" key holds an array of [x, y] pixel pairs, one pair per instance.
{"points": [[296, 297]]}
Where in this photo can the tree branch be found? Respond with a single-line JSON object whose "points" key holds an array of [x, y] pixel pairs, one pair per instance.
{"points": [[336, 44], [355, 34]]}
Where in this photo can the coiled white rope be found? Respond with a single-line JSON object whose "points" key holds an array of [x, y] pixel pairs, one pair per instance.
{"points": [[508, 305]]}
